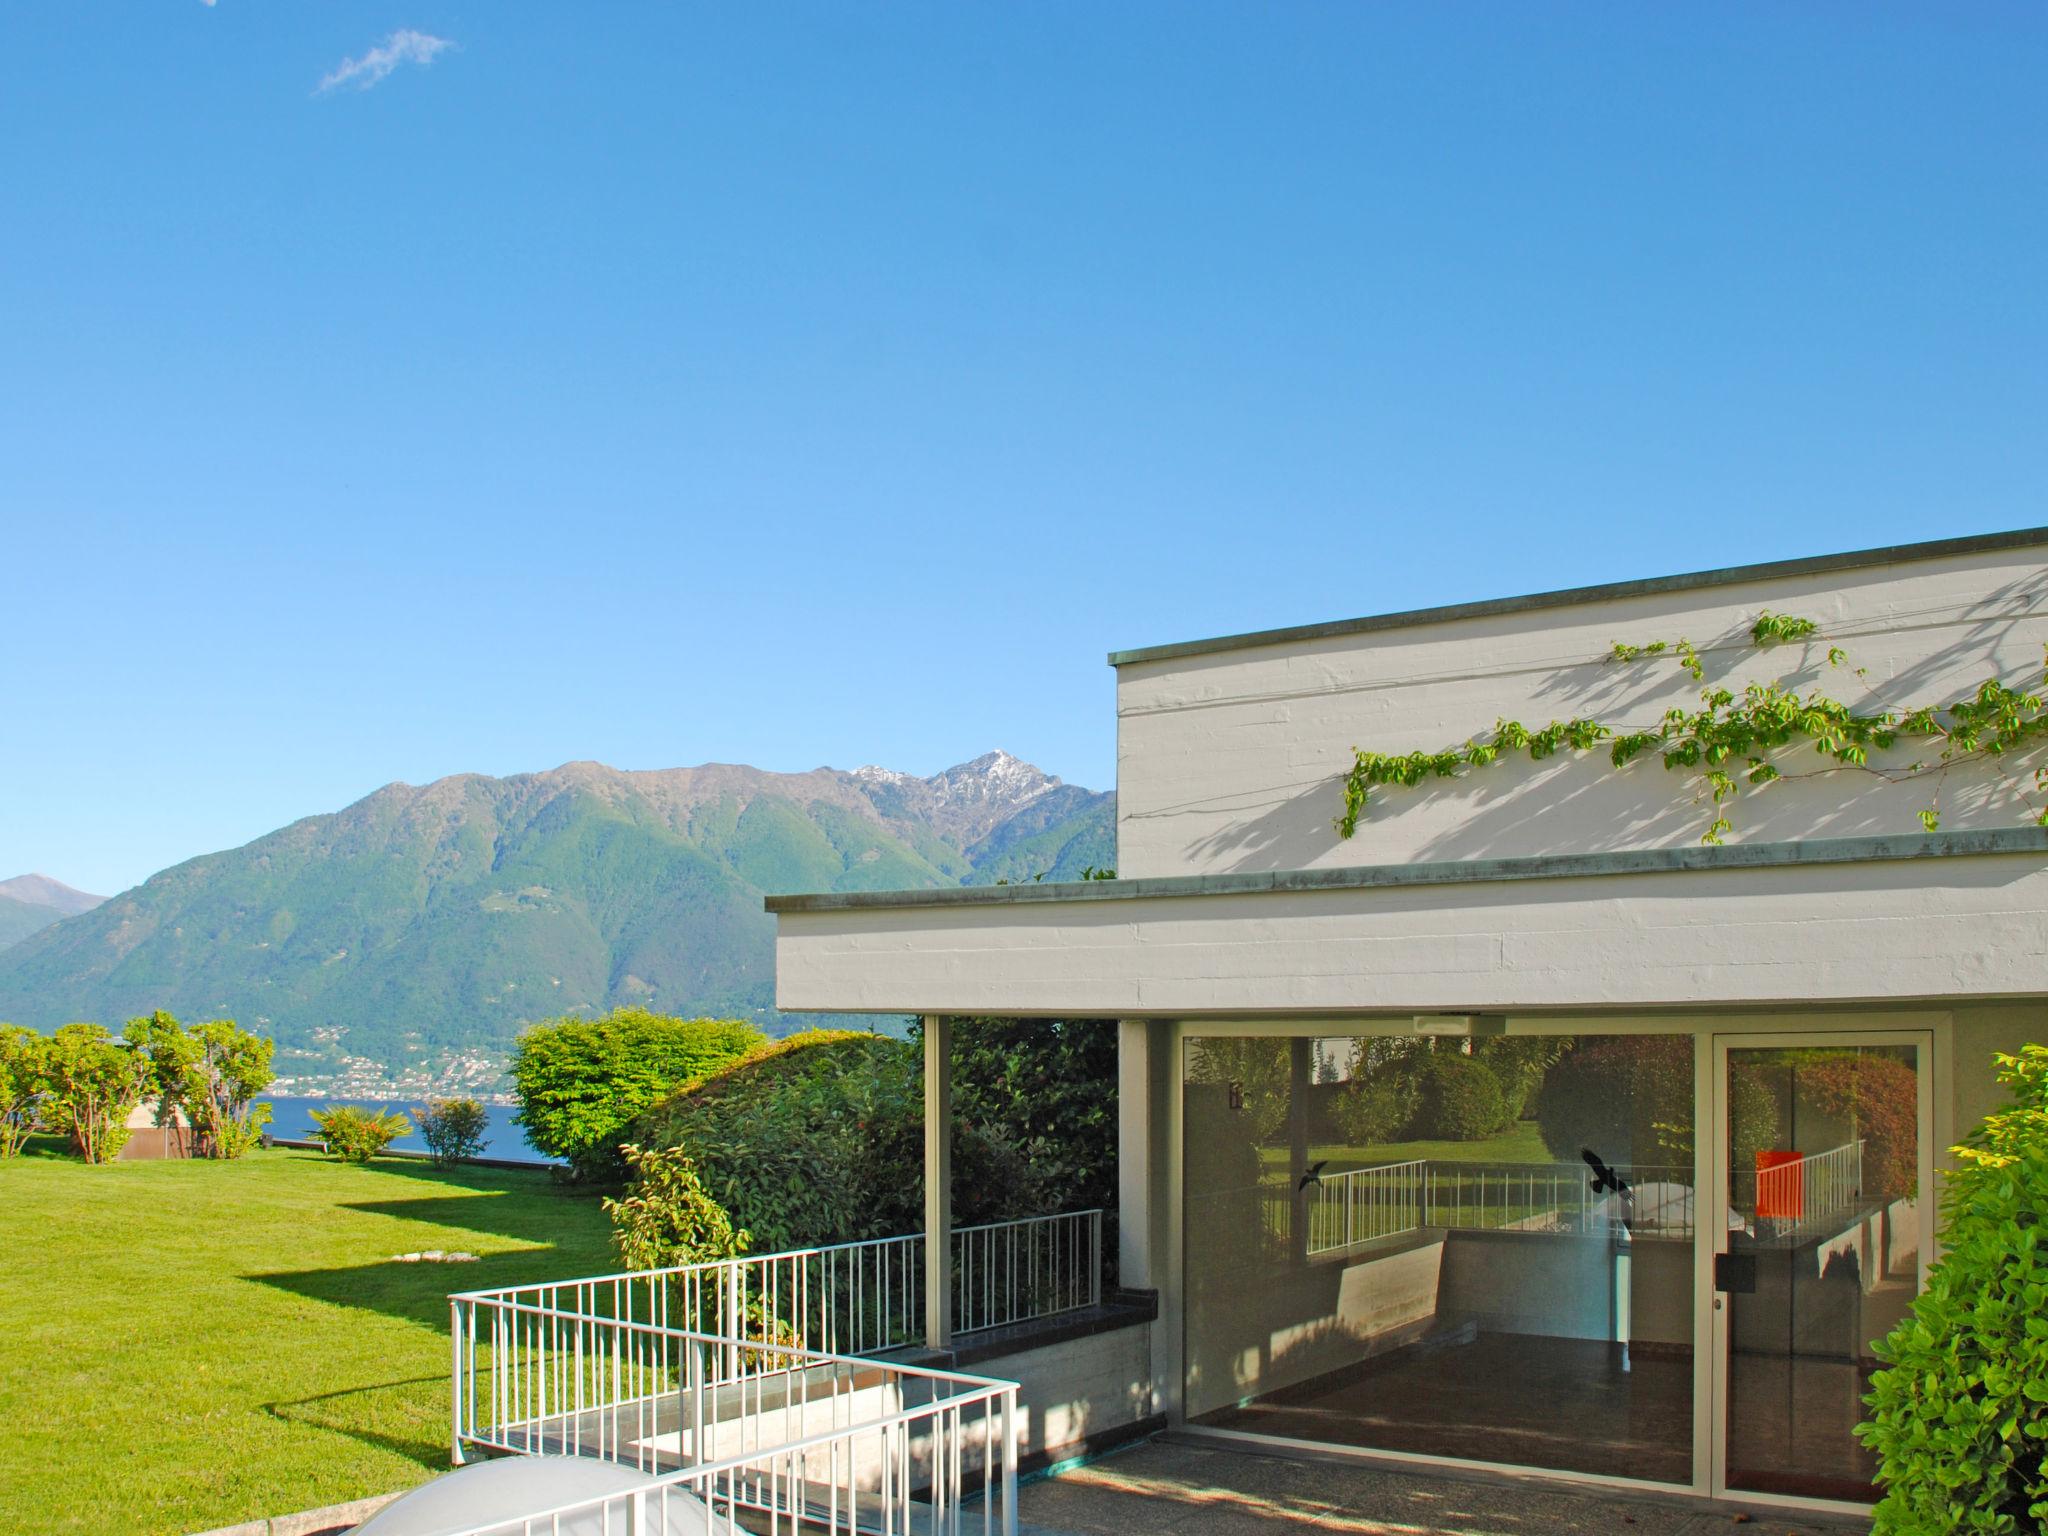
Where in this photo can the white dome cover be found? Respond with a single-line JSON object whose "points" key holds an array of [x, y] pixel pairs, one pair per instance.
{"points": [[500, 1496]]}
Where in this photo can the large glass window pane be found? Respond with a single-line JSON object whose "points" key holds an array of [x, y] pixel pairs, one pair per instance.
{"points": [[1478, 1248], [1823, 1255]]}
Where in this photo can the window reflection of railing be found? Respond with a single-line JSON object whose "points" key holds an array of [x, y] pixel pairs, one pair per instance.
{"points": [[1250, 1225], [1802, 1192], [1559, 1197], [1363, 1205]]}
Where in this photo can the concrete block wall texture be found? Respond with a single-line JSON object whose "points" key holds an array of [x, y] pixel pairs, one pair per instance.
{"points": [[1877, 932], [1081, 1388], [1231, 760]]}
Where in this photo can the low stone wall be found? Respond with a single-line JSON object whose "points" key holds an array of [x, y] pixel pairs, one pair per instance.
{"points": [[330, 1521]]}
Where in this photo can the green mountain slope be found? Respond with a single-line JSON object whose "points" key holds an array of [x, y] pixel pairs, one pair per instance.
{"points": [[424, 920], [19, 919]]}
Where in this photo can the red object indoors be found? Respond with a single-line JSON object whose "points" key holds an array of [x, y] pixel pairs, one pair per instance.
{"points": [[1780, 1186]]}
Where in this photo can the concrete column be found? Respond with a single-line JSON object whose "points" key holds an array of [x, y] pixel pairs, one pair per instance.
{"points": [[938, 1181], [1298, 1078], [1136, 1174]]}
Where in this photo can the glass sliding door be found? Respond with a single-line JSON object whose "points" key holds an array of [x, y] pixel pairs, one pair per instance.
{"points": [[1476, 1248], [1824, 1168]]}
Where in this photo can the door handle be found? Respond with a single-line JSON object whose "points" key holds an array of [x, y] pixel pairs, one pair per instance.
{"points": [[1735, 1273]]}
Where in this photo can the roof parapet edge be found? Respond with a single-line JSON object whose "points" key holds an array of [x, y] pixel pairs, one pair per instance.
{"points": [[1561, 866], [1564, 597]]}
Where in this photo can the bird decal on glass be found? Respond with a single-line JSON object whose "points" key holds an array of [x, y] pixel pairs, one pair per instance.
{"points": [[1604, 1177]]}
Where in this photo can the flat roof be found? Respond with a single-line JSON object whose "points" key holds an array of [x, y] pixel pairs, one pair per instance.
{"points": [[1558, 866], [1890, 554]]}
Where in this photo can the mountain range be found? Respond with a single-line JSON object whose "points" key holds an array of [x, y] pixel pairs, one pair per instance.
{"points": [[428, 920], [32, 902]]}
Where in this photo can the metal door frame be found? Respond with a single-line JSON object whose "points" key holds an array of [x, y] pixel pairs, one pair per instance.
{"points": [[1711, 1236]]}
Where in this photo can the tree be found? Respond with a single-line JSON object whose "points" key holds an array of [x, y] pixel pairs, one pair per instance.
{"points": [[1630, 1099], [582, 1081], [212, 1073], [24, 1080], [356, 1135], [220, 1088], [95, 1082], [453, 1129]]}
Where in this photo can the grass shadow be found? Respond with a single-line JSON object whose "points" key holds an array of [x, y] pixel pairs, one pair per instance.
{"points": [[522, 1220], [415, 1293], [356, 1412]]}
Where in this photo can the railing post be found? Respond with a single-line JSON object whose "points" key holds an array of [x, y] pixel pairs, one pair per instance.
{"points": [[1095, 1258], [454, 1381], [1010, 1462], [938, 1181]]}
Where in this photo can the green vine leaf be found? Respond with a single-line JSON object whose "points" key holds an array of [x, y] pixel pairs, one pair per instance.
{"points": [[1773, 628], [1765, 718]]}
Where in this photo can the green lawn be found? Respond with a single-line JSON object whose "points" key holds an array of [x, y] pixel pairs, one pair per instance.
{"points": [[190, 1344], [1519, 1143]]}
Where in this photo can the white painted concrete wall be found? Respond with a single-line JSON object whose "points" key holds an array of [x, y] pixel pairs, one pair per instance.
{"points": [[1068, 1391], [1231, 760], [1949, 928]]}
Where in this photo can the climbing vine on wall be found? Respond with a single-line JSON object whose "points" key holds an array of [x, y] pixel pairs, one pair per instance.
{"points": [[1731, 738]]}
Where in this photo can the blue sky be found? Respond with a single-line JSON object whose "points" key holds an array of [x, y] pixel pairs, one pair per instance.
{"points": [[797, 385]]}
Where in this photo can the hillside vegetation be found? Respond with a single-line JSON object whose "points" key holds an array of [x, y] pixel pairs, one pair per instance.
{"points": [[421, 920]]}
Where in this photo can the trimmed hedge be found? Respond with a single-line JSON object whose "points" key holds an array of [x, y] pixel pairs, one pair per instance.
{"points": [[820, 1139], [1457, 1099]]}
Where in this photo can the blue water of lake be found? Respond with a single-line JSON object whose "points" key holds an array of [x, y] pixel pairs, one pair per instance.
{"points": [[291, 1119]]}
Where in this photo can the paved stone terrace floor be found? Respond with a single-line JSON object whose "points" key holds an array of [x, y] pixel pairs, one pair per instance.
{"points": [[1171, 1488]]}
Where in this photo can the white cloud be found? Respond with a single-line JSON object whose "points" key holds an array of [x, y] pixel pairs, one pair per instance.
{"points": [[405, 46]]}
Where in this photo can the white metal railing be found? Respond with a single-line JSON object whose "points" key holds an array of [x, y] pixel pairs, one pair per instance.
{"points": [[768, 1429], [1008, 1272], [859, 1298], [1362, 1205], [1560, 1197], [1817, 1188]]}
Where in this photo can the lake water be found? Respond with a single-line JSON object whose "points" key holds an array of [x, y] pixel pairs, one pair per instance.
{"points": [[291, 1118]]}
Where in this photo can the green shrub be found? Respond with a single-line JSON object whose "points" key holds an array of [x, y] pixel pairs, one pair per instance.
{"points": [[1041, 1093], [1372, 1111], [581, 1082], [1519, 1063], [356, 1135], [24, 1081], [666, 1217], [1959, 1418], [94, 1082], [1457, 1099], [453, 1129]]}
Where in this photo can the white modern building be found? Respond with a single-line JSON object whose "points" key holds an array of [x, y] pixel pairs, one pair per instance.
{"points": [[1523, 1126]]}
